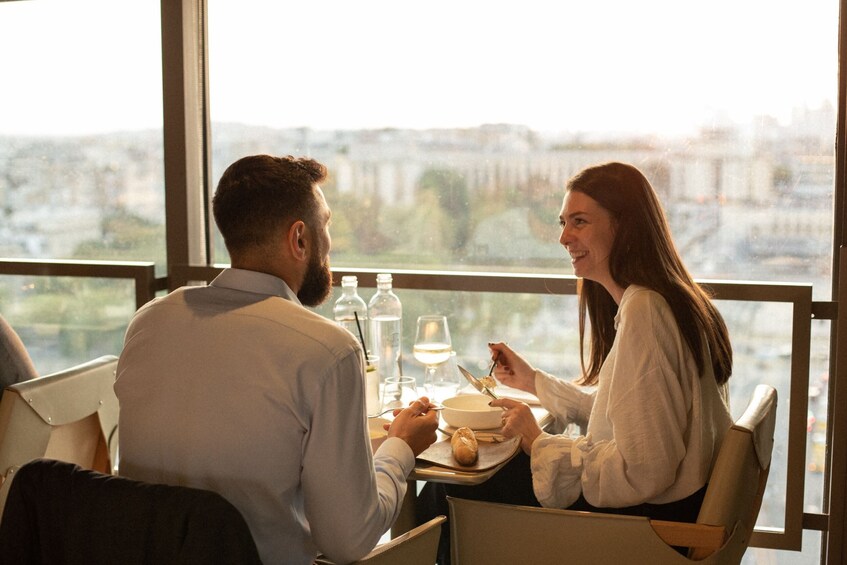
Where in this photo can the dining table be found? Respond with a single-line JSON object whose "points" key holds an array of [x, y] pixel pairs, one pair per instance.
{"points": [[426, 470]]}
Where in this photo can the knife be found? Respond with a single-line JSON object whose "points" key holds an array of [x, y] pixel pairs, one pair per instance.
{"points": [[477, 384]]}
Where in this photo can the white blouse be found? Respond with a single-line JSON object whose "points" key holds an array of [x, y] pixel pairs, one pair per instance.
{"points": [[654, 424]]}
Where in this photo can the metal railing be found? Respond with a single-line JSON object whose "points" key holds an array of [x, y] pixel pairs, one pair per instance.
{"points": [[798, 295], [142, 272], [803, 311]]}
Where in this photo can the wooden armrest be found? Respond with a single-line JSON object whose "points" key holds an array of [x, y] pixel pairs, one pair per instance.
{"points": [[690, 535]]}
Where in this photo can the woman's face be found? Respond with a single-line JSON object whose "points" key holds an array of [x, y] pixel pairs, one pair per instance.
{"points": [[588, 232]]}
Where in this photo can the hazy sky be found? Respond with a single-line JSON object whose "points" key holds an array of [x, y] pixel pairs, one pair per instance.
{"points": [[667, 66]]}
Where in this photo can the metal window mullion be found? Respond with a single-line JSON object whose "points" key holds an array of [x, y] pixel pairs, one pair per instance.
{"points": [[185, 140]]}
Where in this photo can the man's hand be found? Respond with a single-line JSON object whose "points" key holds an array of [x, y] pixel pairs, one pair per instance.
{"points": [[415, 425]]}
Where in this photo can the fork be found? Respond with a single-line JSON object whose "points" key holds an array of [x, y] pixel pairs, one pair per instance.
{"points": [[387, 410]]}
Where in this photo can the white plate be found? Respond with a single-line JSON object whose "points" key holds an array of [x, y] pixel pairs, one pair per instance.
{"points": [[375, 431]]}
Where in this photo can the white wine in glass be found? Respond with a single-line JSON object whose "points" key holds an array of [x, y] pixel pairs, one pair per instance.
{"points": [[431, 354], [432, 348]]}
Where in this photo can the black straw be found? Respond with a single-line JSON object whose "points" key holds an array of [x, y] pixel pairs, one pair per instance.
{"points": [[361, 335]]}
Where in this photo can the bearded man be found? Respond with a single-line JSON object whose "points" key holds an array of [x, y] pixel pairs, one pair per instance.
{"points": [[238, 388]]}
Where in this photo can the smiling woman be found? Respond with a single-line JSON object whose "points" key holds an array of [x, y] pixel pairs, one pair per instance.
{"points": [[658, 351]]}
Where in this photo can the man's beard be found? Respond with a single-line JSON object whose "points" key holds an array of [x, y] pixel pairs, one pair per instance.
{"points": [[317, 284]]}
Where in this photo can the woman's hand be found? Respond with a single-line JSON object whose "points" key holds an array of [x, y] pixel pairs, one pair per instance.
{"points": [[511, 369], [518, 420]]}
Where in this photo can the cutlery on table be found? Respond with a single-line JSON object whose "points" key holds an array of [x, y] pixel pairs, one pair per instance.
{"points": [[477, 384], [388, 410], [493, 364]]}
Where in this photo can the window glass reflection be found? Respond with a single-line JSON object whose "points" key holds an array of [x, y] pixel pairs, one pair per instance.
{"points": [[81, 161], [64, 321], [448, 147]]}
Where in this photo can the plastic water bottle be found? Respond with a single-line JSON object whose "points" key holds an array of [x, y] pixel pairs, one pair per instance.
{"points": [[386, 327], [348, 305]]}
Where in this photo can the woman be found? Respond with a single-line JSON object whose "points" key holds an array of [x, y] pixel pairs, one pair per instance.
{"points": [[653, 393], [659, 353]]}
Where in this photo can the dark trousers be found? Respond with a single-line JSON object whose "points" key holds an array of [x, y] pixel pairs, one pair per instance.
{"points": [[513, 485]]}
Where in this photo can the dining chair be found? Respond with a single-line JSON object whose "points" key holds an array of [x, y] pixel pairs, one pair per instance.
{"points": [[484, 532], [71, 415], [418, 546], [58, 512]]}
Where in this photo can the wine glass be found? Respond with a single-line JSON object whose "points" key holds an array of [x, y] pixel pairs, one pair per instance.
{"points": [[432, 348]]}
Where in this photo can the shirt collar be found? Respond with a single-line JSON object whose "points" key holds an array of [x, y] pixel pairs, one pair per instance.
{"points": [[256, 282], [626, 293]]}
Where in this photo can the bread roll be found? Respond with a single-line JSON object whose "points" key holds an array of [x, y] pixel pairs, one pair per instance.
{"points": [[465, 446]]}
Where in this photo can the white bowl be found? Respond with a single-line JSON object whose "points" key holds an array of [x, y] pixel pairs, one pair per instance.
{"points": [[472, 411]]}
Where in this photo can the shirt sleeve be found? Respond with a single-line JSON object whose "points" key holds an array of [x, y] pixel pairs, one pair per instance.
{"points": [[648, 404], [566, 401], [351, 497]]}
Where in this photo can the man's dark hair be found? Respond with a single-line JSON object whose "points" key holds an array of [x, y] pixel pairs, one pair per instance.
{"points": [[261, 194]]}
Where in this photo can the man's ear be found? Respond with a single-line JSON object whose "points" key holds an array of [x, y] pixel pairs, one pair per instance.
{"points": [[297, 240]]}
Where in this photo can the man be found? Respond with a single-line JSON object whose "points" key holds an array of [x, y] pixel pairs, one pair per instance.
{"points": [[237, 388]]}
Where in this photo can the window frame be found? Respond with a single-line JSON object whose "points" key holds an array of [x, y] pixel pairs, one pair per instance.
{"points": [[188, 188], [194, 125]]}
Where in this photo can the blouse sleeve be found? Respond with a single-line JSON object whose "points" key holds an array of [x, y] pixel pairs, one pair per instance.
{"points": [[555, 477], [564, 400]]}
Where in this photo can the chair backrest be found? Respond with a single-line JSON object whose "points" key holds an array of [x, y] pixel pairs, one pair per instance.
{"points": [[482, 533], [737, 483], [485, 532], [418, 546], [71, 416], [57, 512]]}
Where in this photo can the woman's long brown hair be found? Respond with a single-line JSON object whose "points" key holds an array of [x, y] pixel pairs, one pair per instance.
{"points": [[643, 253]]}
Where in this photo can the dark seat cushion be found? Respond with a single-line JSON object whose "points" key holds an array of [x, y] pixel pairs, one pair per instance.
{"points": [[57, 512]]}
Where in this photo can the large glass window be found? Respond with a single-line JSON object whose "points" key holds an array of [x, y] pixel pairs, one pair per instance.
{"points": [[450, 128], [81, 165], [64, 321]]}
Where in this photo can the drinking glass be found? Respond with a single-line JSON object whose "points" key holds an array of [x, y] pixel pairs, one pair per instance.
{"points": [[399, 392], [372, 400], [432, 345], [445, 381]]}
